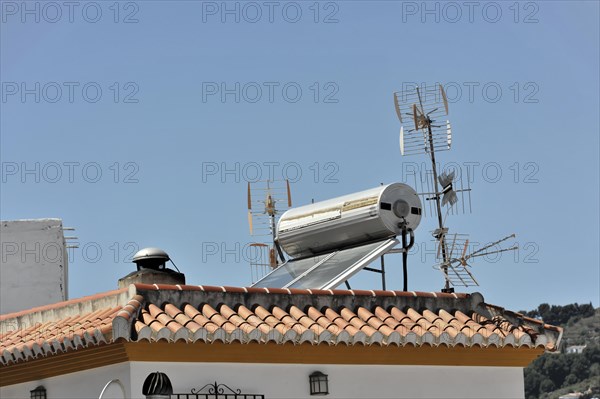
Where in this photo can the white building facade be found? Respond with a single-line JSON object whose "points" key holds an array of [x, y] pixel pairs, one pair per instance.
{"points": [[256, 343], [33, 264], [284, 381]]}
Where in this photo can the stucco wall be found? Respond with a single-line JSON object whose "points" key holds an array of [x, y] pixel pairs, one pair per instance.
{"points": [[80, 385], [291, 381], [33, 264]]}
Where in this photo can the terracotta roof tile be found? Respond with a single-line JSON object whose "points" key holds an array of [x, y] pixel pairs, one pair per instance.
{"points": [[198, 318], [362, 292], [227, 314], [336, 319], [209, 288], [381, 293], [237, 320], [283, 291], [353, 319], [288, 320], [234, 289]]}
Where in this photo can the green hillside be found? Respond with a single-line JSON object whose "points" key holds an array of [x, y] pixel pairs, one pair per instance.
{"points": [[582, 331], [556, 374]]}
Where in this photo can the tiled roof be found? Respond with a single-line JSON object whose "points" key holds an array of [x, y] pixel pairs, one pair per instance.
{"points": [[59, 327], [229, 314]]}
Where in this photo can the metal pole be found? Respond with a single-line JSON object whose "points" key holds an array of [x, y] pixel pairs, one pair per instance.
{"points": [[273, 227], [404, 260], [382, 273], [440, 238]]}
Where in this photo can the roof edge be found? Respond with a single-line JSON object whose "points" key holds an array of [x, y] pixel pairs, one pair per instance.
{"points": [[139, 288], [283, 298], [29, 317], [267, 297]]}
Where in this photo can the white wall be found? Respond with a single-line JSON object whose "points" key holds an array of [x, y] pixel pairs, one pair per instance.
{"points": [[280, 381], [33, 264], [80, 385], [291, 381]]}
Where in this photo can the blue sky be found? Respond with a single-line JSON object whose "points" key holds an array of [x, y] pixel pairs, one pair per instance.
{"points": [[119, 109]]}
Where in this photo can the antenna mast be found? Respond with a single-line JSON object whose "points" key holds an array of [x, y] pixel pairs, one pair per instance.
{"points": [[263, 214], [429, 137], [440, 234]]}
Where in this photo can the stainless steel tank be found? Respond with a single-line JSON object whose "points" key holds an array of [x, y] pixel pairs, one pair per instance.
{"points": [[349, 220]]}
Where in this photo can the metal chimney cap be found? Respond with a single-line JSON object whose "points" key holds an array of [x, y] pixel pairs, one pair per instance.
{"points": [[150, 253]]}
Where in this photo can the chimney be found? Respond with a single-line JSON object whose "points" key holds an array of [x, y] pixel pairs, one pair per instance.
{"points": [[151, 269]]}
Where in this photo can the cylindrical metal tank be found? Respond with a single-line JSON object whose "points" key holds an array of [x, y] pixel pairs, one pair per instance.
{"points": [[349, 220]]}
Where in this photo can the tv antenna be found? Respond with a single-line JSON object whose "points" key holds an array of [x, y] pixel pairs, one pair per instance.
{"points": [[458, 268], [423, 111], [267, 200]]}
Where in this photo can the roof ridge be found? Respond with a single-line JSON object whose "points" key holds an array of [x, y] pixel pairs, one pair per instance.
{"points": [[140, 287], [60, 305], [191, 313]]}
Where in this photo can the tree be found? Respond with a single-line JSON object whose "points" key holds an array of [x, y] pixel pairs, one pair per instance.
{"points": [[552, 371], [560, 315], [533, 379], [592, 353], [571, 379], [555, 369], [543, 310], [547, 386], [580, 367]]}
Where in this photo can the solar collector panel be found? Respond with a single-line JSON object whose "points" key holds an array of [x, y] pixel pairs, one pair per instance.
{"points": [[288, 272], [325, 271]]}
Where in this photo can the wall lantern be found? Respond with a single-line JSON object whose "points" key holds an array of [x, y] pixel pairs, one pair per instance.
{"points": [[38, 393], [319, 384], [157, 386]]}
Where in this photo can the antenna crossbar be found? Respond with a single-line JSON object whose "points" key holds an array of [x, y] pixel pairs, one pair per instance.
{"points": [[480, 251]]}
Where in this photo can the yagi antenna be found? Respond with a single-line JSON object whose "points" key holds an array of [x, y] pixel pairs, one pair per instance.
{"points": [[444, 99], [458, 267], [426, 138], [425, 130], [250, 208], [424, 107], [397, 106], [448, 194], [289, 194], [267, 200]]}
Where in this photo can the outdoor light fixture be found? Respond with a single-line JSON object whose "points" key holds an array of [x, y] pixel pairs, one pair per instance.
{"points": [[157, 386], [38, 393], [319, 385]]}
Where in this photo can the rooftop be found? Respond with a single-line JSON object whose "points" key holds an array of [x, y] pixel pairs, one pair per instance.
{"points": [[191, 314]]}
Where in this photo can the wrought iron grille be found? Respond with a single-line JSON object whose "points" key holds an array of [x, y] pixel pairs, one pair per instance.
{"points": [[216, 391]]}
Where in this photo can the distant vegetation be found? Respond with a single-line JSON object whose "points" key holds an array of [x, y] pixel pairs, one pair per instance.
{"points": [[569, 371], [552, 375], [561, 315]]}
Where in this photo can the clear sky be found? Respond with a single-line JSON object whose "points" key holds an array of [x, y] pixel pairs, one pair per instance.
{"points": [[123, 118]]}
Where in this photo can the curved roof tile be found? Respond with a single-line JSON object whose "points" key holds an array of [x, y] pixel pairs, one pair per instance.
{"points": [[155, 312]]}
